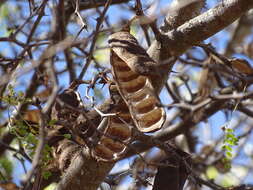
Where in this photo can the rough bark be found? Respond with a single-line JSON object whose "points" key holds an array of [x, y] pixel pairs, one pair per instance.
{"points": [[84, 172], [205, 25]]}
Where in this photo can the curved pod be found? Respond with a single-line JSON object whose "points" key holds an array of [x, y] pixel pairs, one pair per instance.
{"points": [[127, 59]]}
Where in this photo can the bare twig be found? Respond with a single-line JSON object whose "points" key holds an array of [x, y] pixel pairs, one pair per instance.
{"points": [[96, 32]]}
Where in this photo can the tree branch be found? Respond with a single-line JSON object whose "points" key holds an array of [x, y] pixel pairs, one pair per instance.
{"points": [[90, 173], [205, 25], [87, 4]]}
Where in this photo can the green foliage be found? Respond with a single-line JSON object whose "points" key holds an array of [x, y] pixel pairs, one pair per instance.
{"points": [[46, 159], [18, 128], [14, 98], [6, 168], [229, 141], [227, 161], [30, 142], [25, 132], [47, 156]]}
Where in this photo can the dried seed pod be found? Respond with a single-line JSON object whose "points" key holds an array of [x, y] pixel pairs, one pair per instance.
{"points": [[112, 145], [32, 116], [110, 150], [61, 111], [242, 66], [131, 68]]}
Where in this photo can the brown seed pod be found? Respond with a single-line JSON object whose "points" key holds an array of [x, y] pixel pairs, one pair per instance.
{"points": [[131, 67], [242, 66], [113, 144], [32, 116]]}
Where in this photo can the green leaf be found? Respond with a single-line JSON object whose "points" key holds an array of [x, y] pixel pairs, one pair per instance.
{"points": [[230, 130], [228, 148], [227, 163], [229, 140], [30, 138], [6, 167], [229, 154]]}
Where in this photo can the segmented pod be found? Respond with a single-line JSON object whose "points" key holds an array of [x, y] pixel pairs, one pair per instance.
{"points": [[117, 134], [128, 60], [112, 145]]}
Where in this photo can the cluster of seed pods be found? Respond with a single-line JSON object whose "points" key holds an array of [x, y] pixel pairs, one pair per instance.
{"points": [[140, 104]]}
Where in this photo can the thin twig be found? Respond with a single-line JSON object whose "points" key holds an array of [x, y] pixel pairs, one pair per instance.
{"points": [[92, 47]]}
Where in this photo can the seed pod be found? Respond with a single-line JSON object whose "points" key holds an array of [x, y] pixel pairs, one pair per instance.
{"points": [[242, 66], [131, 67], [61, 111], [32, 116], [113, 144]]}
